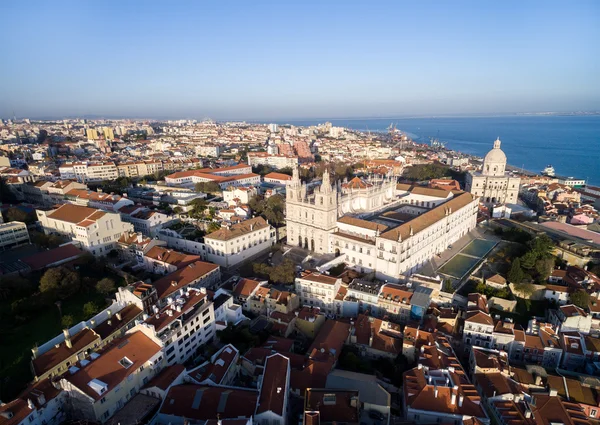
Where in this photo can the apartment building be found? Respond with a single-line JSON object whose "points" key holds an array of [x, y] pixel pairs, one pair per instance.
{"points": [[103, 201], [89, 171], [439, 395], [101, 385], [239, 242], [318, 290], [184, 325], [276, 161], [274, 390], [239, 195], [40, 404], [145, 220], [56, 360], [198, 274], [13, 234], [97, 231], [159, 260]]}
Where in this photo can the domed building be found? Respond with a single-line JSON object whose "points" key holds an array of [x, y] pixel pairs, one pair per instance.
{"points": [[493, 185]]}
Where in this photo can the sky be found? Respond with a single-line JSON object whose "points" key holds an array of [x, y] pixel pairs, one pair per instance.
{"points": [[297, 59]]}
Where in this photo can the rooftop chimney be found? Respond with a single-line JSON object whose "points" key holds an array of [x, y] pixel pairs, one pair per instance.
{"points": [[67, 338], [453, 398], [118, 316], [461, 398]]}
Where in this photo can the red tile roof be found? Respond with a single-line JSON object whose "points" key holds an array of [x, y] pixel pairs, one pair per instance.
{"points": [[136, 347], [181, 278], [274, 385]]}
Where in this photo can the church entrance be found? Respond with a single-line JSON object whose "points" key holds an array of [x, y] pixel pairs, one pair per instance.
{"points": [[300, 241], [337, 252], [305, 243], [312, 245]]}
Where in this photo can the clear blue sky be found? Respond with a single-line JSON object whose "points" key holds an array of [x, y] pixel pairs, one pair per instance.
{"points": [[297, 59]]}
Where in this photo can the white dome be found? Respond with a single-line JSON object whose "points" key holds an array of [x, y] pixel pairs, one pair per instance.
{"points": [[496, 155], [494, 162]]}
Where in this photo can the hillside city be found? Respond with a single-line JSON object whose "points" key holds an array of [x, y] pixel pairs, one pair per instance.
{"points": [[232, 273]]}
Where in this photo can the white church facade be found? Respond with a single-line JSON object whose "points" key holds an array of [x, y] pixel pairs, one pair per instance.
{"points": [[377, 225], [493, 185]]}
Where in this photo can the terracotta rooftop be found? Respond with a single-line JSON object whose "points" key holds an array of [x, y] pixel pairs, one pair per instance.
{"points": [[166, 377], [239, 229], [357, 222], [333, 405], [428, 218], [75, 214], [274, 386], [108, 369], [215, 370], [117, 321], [319, 278], [169, 256], [181, 278], [57, 355], [199, 402], [53, 256]]}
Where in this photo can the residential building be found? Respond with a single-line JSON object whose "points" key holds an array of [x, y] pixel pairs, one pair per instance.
{"points": [[273, 160], [199, 403], [571, 318], [274, 390], [13, 234], [221, 369], [159, 260], [231, 245], [318, 290], [439, 395], [145, 220], [376, 338], [329, 407], [196, 275], [57, 359], [184, 325], [40, 404], [101, 385]]}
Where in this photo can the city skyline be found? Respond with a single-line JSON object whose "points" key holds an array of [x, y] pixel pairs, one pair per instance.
{"points": [[294, 61]]}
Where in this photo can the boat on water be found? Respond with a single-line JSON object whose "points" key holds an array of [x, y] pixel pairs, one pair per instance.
{"points": [[548, 171]]}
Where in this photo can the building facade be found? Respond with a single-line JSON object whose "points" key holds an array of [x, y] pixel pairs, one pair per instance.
{"points": [[493, 185]]}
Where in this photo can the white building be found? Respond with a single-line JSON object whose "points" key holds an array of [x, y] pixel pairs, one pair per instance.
{"points": [[102, 384], [276, 161], [97, 231], [318, 290], [89, 171], [493, 185], [377, 225], [184, 325], [235, 195], [13, 234], [239, 242], [145, 220]]}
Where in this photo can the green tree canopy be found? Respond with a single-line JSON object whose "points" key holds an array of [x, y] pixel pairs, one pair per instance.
{"points": [[580, 299], [515, 274], [60, 281], [106, 286]]}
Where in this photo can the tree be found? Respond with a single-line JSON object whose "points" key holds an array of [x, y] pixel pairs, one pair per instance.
{"points": [[67, 321], [177, 210], [106, 286], [544, 268], [17, 214], [208, 187], [580, 299], [213, 226], [525, 289], [60, 281], [515, 274], [89, 309], [256, 204]]}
